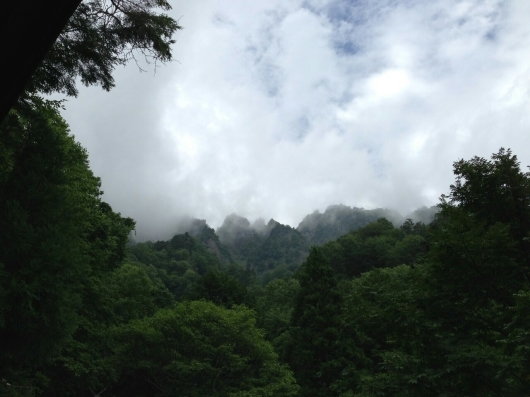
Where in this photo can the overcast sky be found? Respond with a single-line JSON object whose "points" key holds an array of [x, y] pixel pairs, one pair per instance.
{"points": [[277, 108]]}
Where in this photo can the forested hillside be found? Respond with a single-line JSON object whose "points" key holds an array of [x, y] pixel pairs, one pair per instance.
{"points": [[337, 220], [274, 250], [263, 248]]}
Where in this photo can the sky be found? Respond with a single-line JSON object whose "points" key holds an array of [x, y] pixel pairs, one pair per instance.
{"points": [[279, 108]]}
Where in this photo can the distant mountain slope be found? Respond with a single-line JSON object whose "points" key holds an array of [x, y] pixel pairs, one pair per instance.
{"points": [[199, 229], [319, 228], [263, 247], [242, 240], [283, 246]]}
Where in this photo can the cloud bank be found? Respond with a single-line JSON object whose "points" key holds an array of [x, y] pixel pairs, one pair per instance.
{"points": [[275, 109]]}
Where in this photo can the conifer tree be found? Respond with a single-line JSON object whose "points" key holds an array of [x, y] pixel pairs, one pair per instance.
{"points": [[316, 327]]}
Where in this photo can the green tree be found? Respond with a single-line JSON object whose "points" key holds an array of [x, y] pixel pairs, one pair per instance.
{"points": [[55, 235], [316, 354], [376, 245], [456, 324], [275, 308], [479, 265], [395, 335], [494, 191], [100, 36], [125, 294], [221, 289], [198, 349]]}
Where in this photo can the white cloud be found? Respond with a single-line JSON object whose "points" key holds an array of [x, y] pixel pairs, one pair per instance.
{"points": [[278, 108], [388, 83]]}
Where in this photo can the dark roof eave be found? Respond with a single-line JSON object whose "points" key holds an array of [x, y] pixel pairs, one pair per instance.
{"points": [[28, 29]]}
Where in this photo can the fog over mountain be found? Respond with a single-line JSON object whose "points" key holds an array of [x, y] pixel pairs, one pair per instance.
{"points": [[316, 228], [276, 109], [274, 250]]}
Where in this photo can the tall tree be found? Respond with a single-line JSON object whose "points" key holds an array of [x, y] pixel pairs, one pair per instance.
{"points": [[456, 324], [479, 265], [55, 233], [316, 355]]}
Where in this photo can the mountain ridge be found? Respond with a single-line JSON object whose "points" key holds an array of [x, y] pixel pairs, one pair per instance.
{"points": [[263, 247]]}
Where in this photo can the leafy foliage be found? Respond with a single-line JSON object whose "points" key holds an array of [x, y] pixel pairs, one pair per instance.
{"points": [[178, 263], [101, 35], [275, 308], [449, 325], [317, 352], [377, 245], [55, 236], [220, 288], [197, 349]]}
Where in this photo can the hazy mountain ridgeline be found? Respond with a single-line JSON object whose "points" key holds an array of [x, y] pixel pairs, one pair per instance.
{"points": [[199, 229], [273, 247], [261, 247], [338, 220]]}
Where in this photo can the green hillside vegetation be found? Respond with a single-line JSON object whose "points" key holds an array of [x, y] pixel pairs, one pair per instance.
{"points": [[377, 245], [456, 324], [241, 239], [263, 248], [337, 220], [283, 246], [199, 229], [274, 250]]}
